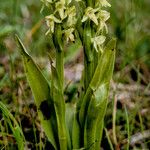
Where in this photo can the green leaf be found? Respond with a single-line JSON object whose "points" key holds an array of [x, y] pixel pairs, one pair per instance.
{"points": [[70, 112], [76, 133], [95, 115], [103, 74], [41, 91]]}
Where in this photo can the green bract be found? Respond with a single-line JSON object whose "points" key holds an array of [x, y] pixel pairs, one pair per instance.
{"points": [[78, 125]]}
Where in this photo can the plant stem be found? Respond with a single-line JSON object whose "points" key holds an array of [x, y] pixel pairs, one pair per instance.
{"points": [[88, 55], [59, 105], [87, 73], [59, 102], [60, 67], [59, 55], [109, 140]]}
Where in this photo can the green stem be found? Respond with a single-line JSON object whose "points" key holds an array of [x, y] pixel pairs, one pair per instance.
{"points": [[88, 73], [88, 55], [59, 54], [108, 139], [61, 109], [59, 102], [90, 3], [60, 67]]}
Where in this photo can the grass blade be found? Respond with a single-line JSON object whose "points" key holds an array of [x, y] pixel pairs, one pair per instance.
{"points": [[14, 126]]}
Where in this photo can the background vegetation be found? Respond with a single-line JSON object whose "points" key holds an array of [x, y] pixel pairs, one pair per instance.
{"points": [[127, 122]]}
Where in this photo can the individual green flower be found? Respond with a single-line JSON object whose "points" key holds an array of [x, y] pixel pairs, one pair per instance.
{"points": [[51, 20], [47, 2], [68, 2], [50, 1], [71, 13], [103, 3], [102, 26], [69, 34], [90, 13], [60, 7], [103, 17], [97, 42], [78, 0]]}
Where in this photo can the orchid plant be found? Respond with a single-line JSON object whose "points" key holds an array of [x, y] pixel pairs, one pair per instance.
{"points": [[74, 125]]}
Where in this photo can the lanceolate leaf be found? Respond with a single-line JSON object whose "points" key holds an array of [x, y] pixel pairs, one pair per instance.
{"points": [[41, 91], [95, 115], [76, 133], [70, 112], [103, 74]]}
